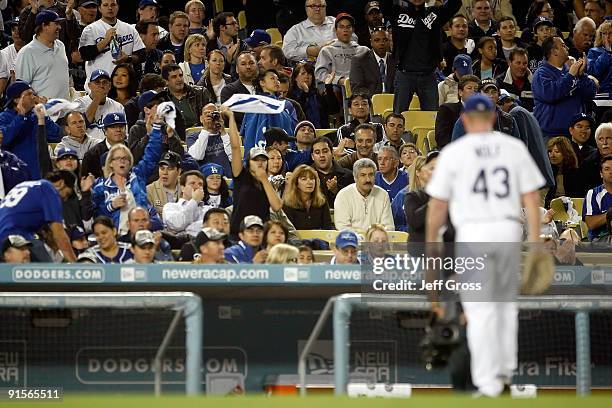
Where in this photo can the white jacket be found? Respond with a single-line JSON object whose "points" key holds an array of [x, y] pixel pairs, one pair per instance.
{"points": [[352, 210], [184, 216]]}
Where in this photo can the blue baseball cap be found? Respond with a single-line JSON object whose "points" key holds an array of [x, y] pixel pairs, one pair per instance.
{"points": [[580, 117], [77, 232], [211, 168], [347, 238], [66, 151], [145, 3], [541, 21], [98, 73], [15, 89], [145, 98], [257, 38], [117, 118], [47, 16], [463, 64], [478, 103]]}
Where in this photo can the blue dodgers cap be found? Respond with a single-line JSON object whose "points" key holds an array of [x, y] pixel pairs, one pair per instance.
{"points": [[347, 238], [15, 89], [258, 37], [66, 151], [77, 232], [478, 103], [145, 98], [145, 3], [463, 64], [47, 16], [99, 73], [211, 168], [117, 118], [580, 117], [541, 21]]}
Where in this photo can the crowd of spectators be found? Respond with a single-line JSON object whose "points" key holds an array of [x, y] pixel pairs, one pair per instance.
{"points": [[147, 164]]}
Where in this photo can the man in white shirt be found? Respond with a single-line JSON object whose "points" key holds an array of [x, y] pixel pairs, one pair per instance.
{"points": [[187, 214], [305, 40], [212, 143], [43, 62], [9, 54], [362, 204], [485, 191], [97, 104], [109, 41]]}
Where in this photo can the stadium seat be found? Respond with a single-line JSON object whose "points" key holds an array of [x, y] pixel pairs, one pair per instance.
{"points": [[431, 140], [345, 89], [419, 133], [415, 104], [325, 235], [565, 34], [242, 21], [323, 132], [397, 236], [192, 130], [561, 212], [218, 6], [275, 35], [426, 119], [382, 102]]}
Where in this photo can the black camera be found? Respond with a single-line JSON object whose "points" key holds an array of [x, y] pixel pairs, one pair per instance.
{"points": [[215, 115], [441, 338]]}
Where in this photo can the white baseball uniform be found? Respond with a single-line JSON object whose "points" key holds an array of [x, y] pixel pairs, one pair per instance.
{"points": [[127, 37], [483, 176], [95, 129]]}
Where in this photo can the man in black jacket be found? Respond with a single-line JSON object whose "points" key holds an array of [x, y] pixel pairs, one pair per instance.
{"points": [[373, 72], [333, 177], [114, 132], [450, 112], [139, 134], [246, 67], [417, 46], [188, 99]]}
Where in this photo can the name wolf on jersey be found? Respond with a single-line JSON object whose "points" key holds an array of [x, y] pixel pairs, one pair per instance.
{"points": [[404, 20]]}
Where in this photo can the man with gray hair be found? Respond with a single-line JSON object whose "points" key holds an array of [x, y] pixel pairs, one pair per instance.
{"points": [[363, 203], [582, 37], [389, 177]]}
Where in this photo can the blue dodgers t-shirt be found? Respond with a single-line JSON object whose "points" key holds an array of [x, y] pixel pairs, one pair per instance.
{"points": [[597, 202], [401, 181], [197, 70], [29, 206]]}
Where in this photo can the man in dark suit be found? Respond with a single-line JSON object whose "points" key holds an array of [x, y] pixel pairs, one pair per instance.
{"points": [[448, 113], [246, 67], [373, 72]]}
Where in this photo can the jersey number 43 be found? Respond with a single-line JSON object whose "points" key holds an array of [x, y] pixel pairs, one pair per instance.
{"points": [[492, 181]]}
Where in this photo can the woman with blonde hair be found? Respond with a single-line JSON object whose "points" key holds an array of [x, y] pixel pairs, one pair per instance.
{"points": [[600, 57], [283, 254], [377, 241], [304, 201], [195, 56], [397, 205], [125, 184]]}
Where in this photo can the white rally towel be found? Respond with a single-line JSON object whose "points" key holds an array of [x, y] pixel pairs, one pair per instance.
{"points": [[58, 108], [168, 111], [246, 103]]}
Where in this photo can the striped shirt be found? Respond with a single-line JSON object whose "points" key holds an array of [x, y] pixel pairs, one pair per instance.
{"points": [[598, 200], [122, 256]]}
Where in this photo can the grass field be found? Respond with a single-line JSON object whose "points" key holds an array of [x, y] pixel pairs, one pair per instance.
{"points": [[129, 401]]}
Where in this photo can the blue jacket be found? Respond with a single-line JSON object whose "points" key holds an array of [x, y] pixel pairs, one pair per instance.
{"points": [[397, 209], [14, 170], [106, 190], [20, 137], [558, 96], [600, 66], [240, 253]]}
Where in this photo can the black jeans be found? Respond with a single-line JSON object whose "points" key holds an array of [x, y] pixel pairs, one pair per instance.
{"points": [[421, 83]]}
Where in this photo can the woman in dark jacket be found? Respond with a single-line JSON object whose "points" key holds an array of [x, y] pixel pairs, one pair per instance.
{"points": [[488, 65], [564, 164], [304, 202], [214, 79], [317, 106]]}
